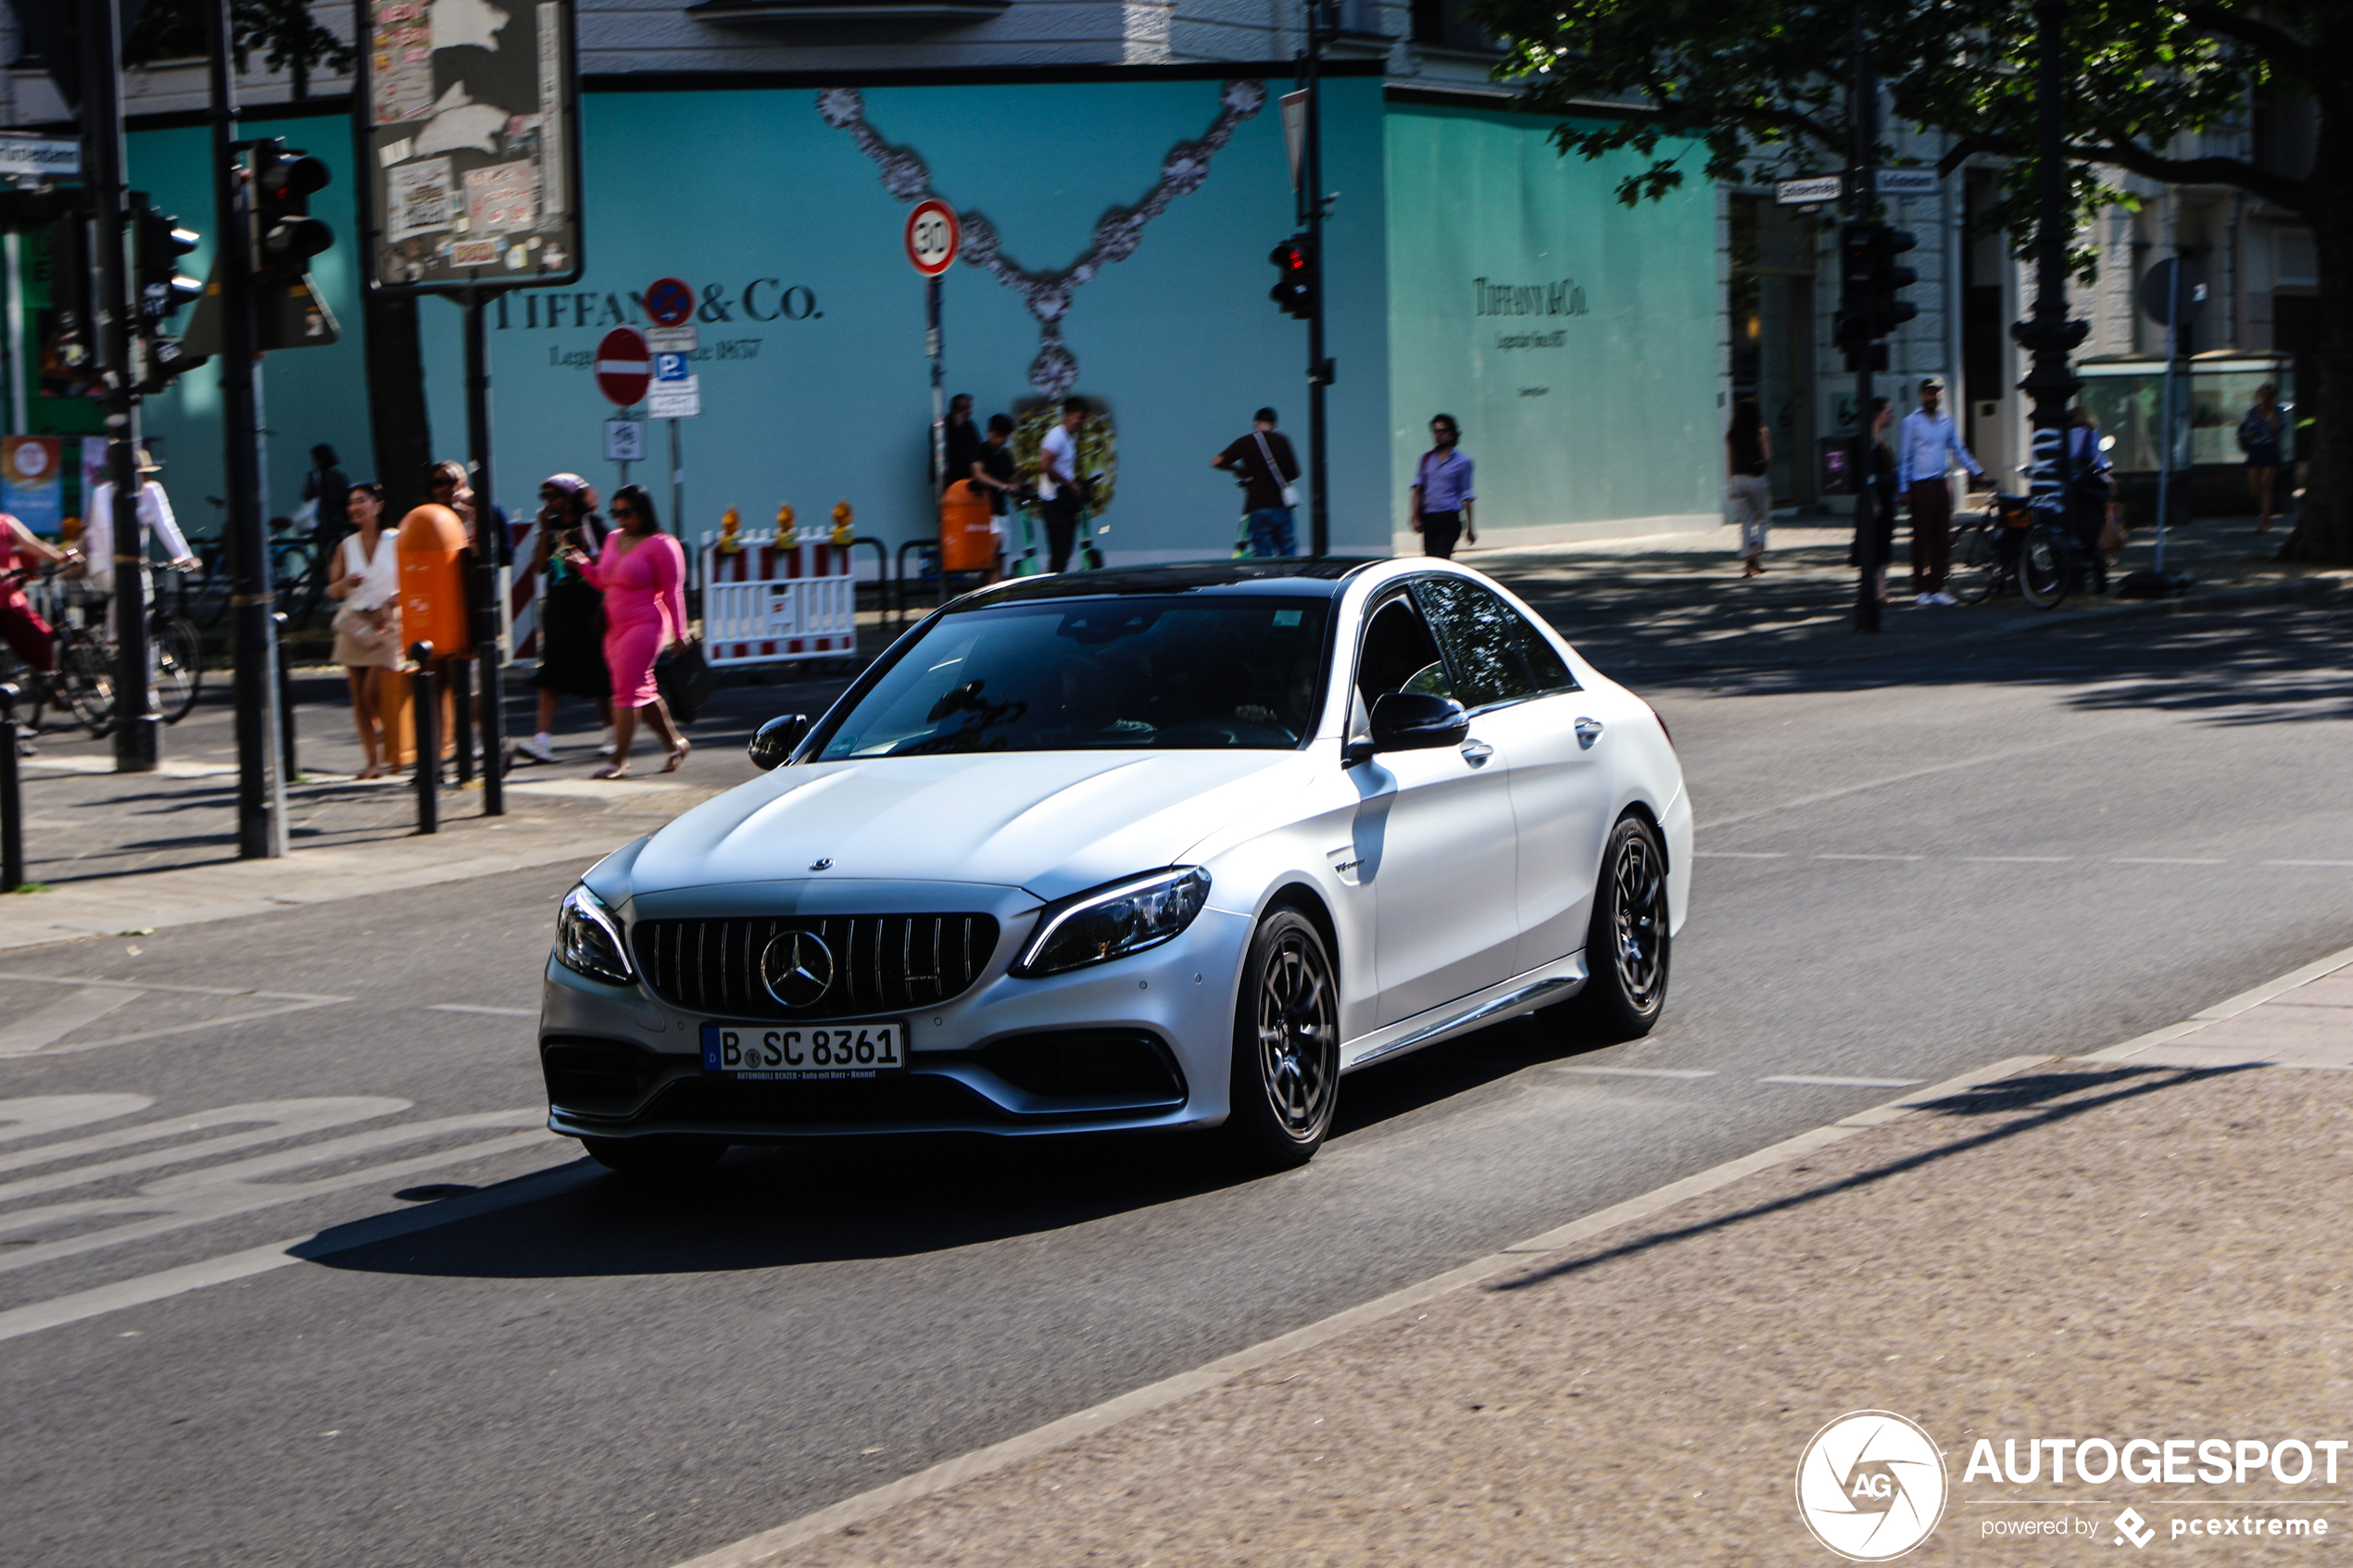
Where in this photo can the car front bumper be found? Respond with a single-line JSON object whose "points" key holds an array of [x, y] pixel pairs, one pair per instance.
{"points": [[1139, 1043]]}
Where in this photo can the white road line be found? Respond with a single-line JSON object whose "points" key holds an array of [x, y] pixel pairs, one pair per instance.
{"points": [[1843, 1083], [288, 1001], [54, 1113], [2308, 862], [1871, 857], [1640, 1071], [493, 1012], [2154, 860], [2018, 859], [167, 1283], [44, 1027], [1880, 784], [267, 1121], [1740, 855]]}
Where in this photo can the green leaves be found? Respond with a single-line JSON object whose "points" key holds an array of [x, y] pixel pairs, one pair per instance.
{"points": [[281, 32]]}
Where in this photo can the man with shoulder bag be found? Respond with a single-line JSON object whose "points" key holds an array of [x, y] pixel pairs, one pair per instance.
{"points": [[1267, 467]]}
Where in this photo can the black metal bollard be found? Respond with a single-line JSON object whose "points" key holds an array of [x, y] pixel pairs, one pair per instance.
{"points": [[461, 704], [428, 740], [11, 797], [286, 706]]}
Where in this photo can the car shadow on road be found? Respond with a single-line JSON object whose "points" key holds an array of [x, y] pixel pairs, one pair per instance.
{"points": [[840, 1199]]}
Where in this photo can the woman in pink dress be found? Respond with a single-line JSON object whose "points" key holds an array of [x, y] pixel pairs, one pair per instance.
{"points": [[642, 573]]}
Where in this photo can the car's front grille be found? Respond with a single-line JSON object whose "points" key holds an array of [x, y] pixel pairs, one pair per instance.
{"points": [[878, 963]]}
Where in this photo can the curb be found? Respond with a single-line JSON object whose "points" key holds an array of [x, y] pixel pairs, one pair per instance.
{"points": [[756, 1552]]}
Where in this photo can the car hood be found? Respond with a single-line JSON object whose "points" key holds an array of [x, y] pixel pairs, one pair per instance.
{"points": [[1051, 821]]}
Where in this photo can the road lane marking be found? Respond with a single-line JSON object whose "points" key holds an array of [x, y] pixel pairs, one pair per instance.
{"points": [[1881, 784], [167, 1283], [1843, 1083], [2308, 862], [289, 1001], [1642, 1072], [1871, 857], [494, 1012], [1740, 855], [54, 1113], [2018, 859], [44, 1027], [2156, 860]]}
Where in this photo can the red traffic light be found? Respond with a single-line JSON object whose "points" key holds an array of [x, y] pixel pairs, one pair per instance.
{"points": [[1293, 289]]}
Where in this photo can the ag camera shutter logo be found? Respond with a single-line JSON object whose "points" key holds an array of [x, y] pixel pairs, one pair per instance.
{"points": [[1871, 1486]]}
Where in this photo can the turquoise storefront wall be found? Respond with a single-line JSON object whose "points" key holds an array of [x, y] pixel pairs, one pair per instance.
{"points": [[1574, 339]]}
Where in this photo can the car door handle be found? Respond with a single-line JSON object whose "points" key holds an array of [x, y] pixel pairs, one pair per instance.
{"points": [[1588, 732], [1477, 751]]}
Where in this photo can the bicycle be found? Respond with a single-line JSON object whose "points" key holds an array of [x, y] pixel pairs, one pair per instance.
{"points": [[2011, 545], [81, 680]]}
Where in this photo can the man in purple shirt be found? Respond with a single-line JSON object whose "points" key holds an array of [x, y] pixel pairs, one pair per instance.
{"points": [[1443, 495]]}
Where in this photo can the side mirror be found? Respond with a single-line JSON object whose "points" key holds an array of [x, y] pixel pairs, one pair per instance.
{"points": [[1356, 752], [1418, 721], [773, 741]]}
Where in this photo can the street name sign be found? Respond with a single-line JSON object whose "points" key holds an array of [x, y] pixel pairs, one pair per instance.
{"points": [[624, 366], [932, 237], [1907, 183], [1813, 192], [40, 155]]}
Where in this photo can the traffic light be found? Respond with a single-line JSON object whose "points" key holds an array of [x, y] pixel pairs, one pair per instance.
{"points": [[1889, 310], [157, 245], [1294, 287], [70, 337], [284, 234]]}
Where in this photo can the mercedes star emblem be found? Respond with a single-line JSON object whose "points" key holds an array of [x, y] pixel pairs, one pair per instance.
{"points": [[797, 968], [823, 864]]}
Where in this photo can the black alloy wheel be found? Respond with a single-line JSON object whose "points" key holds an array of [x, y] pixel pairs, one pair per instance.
{"points": [[1285, 1076], [1627, 947]]}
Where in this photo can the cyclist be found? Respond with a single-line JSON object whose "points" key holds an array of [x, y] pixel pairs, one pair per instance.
{"points": [[20, 625], [155, 511]]}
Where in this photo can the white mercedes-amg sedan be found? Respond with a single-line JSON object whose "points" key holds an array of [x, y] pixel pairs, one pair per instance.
{"points": [[1133, 851]]}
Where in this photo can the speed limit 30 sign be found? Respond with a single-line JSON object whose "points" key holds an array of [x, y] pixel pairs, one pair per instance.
{"points": [[932, 237]]}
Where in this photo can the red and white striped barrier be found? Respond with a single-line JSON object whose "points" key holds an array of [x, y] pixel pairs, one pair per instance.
{"points": [[775, 601]]}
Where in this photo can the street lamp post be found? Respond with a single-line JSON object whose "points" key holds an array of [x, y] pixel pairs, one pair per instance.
{"points": [[1323, 20]]}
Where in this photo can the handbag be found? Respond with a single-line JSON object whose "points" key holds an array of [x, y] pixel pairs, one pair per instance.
{"points": [[685, 680], [1290, 492]]}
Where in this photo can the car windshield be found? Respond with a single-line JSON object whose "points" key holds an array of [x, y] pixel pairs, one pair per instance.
{"points": [[1191, 672]]}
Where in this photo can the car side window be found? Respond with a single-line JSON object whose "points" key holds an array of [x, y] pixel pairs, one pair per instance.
{"points": [[1398, 655], [1496, 656]]}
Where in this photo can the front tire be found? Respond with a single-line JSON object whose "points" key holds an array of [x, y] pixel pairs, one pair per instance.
{"points": [[1285, 1076], [2043, 568], [1628, 947]]}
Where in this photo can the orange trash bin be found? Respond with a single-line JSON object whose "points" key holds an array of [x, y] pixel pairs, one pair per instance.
{"points": [[966, 542], [433, 581]]}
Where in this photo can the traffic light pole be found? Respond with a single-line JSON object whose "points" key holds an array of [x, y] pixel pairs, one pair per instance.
{"points": [[136, 726], [2046, 333], [1319, 369], [261, 801], [1862, 130], [489, 547]]}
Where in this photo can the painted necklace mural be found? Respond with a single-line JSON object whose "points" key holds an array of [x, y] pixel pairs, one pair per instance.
{"points": [[1117, 232]]}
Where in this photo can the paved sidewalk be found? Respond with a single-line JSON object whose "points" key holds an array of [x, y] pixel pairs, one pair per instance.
{"points": [[2146, 1243]]}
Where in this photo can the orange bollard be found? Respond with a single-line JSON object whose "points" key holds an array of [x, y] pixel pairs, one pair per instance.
{"points": [[965, 541]]}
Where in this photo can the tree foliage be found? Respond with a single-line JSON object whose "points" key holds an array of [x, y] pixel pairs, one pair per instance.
{"points": [[281, 32]]}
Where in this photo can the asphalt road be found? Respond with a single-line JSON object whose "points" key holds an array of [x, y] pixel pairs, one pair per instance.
{"points": [[1913, 865]]}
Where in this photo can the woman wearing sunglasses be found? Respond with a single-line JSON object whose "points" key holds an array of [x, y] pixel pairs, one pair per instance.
{"points": [[642, 573]]}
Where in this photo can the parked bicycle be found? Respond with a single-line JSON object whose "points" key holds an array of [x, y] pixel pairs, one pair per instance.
{"points": [[82, 681], [2010, 545]]}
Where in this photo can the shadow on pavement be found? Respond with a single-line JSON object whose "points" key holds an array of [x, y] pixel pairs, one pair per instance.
{"points": [[2037, 1100]]}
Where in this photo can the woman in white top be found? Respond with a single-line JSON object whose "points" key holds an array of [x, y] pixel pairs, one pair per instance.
{"points": [[367, 581]]}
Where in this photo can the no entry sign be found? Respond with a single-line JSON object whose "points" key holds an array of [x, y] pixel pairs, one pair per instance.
{"points": [[932, 236], [670, 301], [622, 365]]}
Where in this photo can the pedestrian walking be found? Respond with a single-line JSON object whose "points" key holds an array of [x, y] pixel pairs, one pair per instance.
{"points": [[326, 492], [155, 511], [963, 440], [366, 586], [1748, 458], [572, 612], [20, 625], [642, 574], [992, 469], [2263, 437], [1443, 495], [450, 483], [1926, 450], [1266, 466], [2094, 483], [1878, 480], [1062, 491]]}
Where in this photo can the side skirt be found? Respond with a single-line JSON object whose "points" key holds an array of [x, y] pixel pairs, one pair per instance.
{"points": [[1555, 982]]}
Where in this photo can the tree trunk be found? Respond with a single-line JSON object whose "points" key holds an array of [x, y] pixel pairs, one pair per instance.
{"points": [[2324, 522], [398, 419]]}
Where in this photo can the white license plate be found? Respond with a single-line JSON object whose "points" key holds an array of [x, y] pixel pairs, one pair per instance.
{"points": [[751, 1054]]}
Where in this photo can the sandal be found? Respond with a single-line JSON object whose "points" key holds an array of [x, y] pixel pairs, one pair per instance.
{"points": [[677, 755], [611, 771]]}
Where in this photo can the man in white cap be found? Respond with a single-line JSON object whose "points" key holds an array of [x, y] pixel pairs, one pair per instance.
{"points": [[155, 510], [1926, 450]]}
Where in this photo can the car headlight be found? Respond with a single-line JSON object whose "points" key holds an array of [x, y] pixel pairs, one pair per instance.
{"points": [[1111, 922], [588, 939]]}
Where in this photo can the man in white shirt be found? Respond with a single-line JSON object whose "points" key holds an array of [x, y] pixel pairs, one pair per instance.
{"points": [[1059, 498], [155, 511], [1926, 449]]}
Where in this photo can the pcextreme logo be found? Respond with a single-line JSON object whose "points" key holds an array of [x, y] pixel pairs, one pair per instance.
{"points": [[1871, 1486]]}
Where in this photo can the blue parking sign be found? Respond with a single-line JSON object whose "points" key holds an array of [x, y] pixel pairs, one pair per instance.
{"points": [[673, 367]]}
